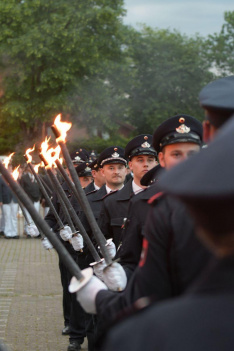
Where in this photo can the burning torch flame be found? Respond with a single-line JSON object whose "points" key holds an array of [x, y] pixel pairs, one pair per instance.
{"points": [[29, 157], [62, 127], [15, 173], [50, 155], [7, 160], [36, 167]]}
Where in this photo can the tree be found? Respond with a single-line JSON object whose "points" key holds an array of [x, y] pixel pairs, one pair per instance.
{"points": [[168, 71], [220, 47], [47, 48]]}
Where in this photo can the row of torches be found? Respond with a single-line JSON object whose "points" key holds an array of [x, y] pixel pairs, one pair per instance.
{"points": [[50, 158]]}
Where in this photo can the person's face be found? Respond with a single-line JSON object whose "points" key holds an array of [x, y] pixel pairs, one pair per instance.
{"points": [[84, 181], [141, 164], [175, 153], [98, 177], [114, 174]]}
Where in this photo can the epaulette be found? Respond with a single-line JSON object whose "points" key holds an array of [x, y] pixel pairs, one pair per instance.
{"points": [[91, 192], [155, 197], [110, 193]]}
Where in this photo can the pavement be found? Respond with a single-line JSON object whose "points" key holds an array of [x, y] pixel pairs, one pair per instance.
{"points": [[31, 317]]}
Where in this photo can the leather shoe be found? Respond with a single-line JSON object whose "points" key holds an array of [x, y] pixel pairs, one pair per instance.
{"points": [[74, 346], [66, 330]]}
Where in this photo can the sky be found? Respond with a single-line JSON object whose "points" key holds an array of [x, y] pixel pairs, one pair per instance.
{"points": [[187, 16]]}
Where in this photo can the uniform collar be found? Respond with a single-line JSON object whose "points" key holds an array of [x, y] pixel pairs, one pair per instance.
{"points": [[136, 188]]}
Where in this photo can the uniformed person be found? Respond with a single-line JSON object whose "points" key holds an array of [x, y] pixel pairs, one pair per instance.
{"points": [[75, 321], [175, 148], [141, 158], [84, 173], [112, 164], [203, 318]]}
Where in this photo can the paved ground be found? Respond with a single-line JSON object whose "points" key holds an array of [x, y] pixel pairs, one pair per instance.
{"points": [[30, 297]]}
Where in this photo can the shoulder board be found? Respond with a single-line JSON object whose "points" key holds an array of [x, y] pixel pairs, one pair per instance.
{"points": [[91, 192], [155, 197], [111, 193]]}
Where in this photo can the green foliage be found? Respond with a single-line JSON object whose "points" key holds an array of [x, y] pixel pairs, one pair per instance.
{"points": [[47, 47], [168, 72], [98, 144], [220, 47]]}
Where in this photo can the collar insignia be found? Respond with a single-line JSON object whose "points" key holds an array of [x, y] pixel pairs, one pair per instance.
{"points": [[183, 129]]}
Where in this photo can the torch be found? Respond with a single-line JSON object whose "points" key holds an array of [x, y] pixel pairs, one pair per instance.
{"points": [[60, 130], [28, 159], [39, 221], [48, 161]]}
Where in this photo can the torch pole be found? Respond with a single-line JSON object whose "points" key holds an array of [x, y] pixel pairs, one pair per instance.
{"points": [[83, 199], [44, 192], [39, 221], [71, 211]]}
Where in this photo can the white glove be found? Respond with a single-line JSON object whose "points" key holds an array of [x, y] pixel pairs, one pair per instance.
{"points": [[47, 244], [87, 295], [32, 230], [98, 269], [77, 242], [66, 233], [111, 248], [114, 277]]}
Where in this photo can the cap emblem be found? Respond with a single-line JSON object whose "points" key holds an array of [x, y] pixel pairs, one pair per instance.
{"points": [[77, 158], [183, 129], [145, 144], [87, 169], [115, 154]]}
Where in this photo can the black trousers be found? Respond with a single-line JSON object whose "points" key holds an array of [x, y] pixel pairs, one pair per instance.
{"points": [[81, 323]]}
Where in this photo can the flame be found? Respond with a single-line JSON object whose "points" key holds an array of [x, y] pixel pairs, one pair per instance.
{"points": [[45, 145], [51, 155], [15, 173], [7, 160], [29, 157], [62, 127], [36, 167]]}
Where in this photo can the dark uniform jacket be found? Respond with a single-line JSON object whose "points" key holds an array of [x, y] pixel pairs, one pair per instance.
{"points": [[6, 195], [30, 187], [173, 259], [89, 188], [114, 212], [95, 199], [201, 320], [52, 222], [130, 248]]}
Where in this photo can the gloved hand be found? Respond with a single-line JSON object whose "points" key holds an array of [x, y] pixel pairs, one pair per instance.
{"points": [[98, 269], [46, 244], [114, 277], [111, 248], [32, 230], [77, 242], [86, 296], [66, 233]]}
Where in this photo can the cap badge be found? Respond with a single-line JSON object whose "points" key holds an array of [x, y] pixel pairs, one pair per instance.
{"points": [[87, 169], [183, 129], [115, 154], [145, 144], [77, 158]]}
